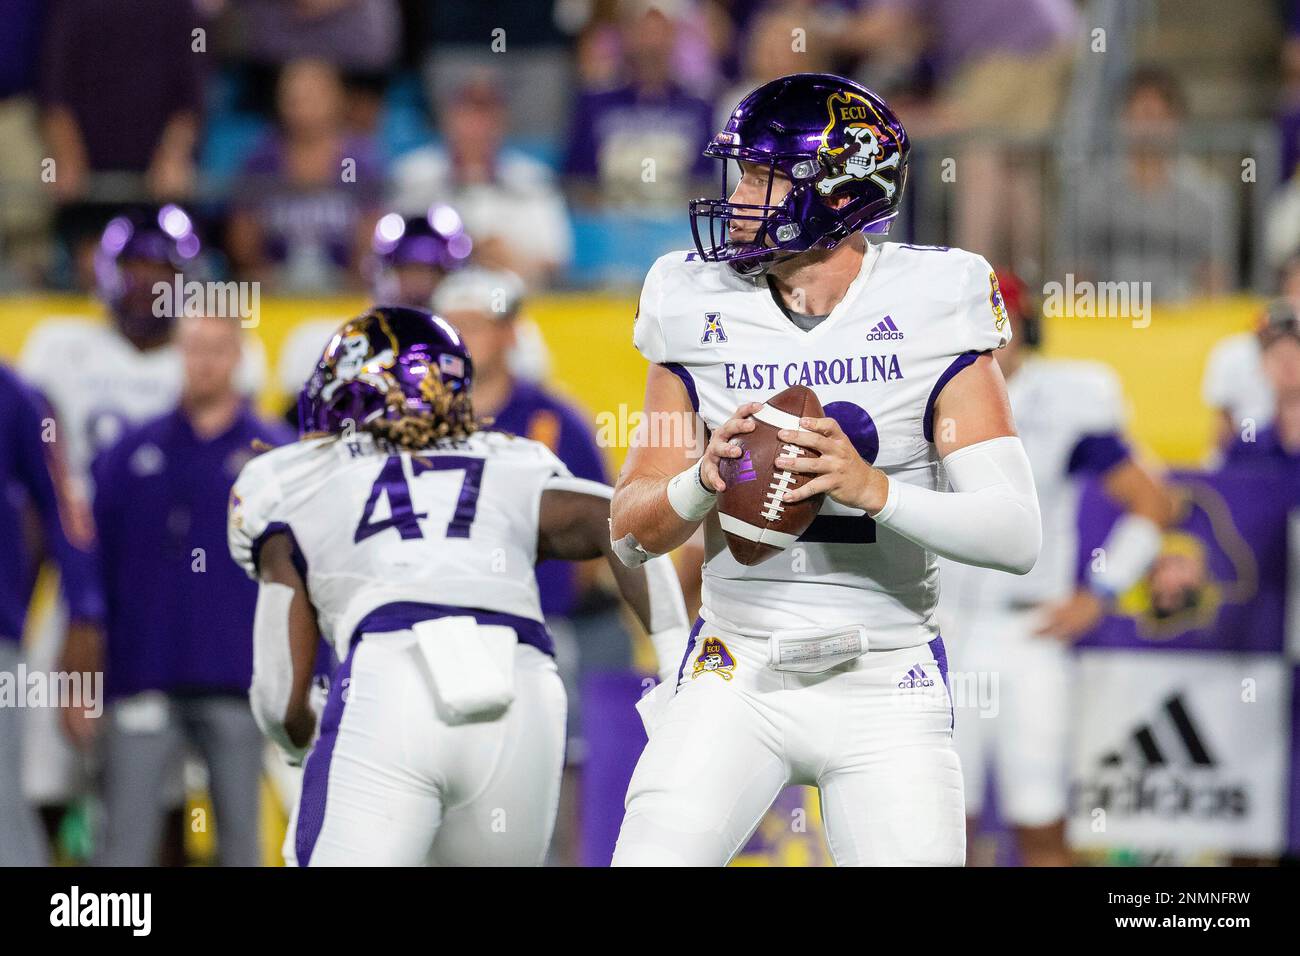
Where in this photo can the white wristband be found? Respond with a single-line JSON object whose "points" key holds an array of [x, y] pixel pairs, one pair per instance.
{"points": [[687, 495]]}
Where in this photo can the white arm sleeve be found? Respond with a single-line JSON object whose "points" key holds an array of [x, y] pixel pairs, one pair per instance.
{"points": [[990, 519], [670, 628], [273, 667], [1130, 548]]}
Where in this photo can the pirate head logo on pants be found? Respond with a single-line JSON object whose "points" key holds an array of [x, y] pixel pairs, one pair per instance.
{"points": [[714, 659]]}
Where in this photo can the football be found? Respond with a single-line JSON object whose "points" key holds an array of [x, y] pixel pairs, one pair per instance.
{"points": [[751, 511]]}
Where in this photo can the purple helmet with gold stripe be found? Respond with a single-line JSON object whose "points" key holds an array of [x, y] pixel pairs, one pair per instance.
{"points": [[843, 151], [390, 363]]}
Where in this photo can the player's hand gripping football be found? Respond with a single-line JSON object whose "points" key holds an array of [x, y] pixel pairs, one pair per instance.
{"points": [[720, 446], [840, 471]]}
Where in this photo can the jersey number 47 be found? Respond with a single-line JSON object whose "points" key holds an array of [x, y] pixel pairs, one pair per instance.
{"points": [[402, 514]]}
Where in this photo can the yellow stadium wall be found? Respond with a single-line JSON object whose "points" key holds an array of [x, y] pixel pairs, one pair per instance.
{"points": [[594, 363]]}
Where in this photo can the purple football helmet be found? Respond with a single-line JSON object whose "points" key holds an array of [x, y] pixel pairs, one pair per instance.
{"points": [[391, 362], [436, 240], [834, 139], [163, 236]]}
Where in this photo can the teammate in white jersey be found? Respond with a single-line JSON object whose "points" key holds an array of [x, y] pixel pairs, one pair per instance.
{"points": [[895, 340], [407, 538], [100, 379], [1010, 635]]}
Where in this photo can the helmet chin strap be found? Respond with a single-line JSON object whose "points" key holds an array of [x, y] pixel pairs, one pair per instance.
{"points": [[759, 267]]}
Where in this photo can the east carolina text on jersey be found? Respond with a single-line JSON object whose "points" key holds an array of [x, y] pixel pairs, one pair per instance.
{"points": [[850, 370]]}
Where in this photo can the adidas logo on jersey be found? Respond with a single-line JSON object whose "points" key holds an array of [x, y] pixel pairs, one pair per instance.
{"points": [[916, 678], [884, 329]]}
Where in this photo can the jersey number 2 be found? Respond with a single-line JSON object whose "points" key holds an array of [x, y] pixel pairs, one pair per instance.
{"points": [[402, 514]]}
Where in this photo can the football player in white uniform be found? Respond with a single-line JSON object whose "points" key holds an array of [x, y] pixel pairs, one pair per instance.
{"points": [[895, 340], [1011, 635], [407, 537], [100, 379]]}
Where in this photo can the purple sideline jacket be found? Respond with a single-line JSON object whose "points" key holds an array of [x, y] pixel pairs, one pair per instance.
{"points": [[532, 412], [25, 480], [178, 618]]}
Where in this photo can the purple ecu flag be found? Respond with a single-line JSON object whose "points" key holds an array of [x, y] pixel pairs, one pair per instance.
{"points": [[1220, 580], [1184, 725]]}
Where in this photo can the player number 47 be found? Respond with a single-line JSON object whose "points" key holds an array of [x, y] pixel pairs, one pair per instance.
{"points": [[402, 514]]}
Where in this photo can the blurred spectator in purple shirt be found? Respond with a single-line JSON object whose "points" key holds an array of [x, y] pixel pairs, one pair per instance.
{"points": [[177, 648], [642, 140], [121, 90], [122, 93], [309, 195]]}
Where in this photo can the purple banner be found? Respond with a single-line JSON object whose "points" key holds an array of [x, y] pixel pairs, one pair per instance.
{"points": [[1220, 580]]}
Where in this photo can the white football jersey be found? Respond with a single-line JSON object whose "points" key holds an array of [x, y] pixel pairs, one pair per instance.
{"points": [[1057, 404], [454, 525], [913, 317], [100, 384]]}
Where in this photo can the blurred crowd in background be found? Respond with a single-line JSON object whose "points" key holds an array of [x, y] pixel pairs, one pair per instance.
{"points": [[1102, 138], [550, 145]]}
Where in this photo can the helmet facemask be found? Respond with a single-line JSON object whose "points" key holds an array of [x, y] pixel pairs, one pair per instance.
{"points": [[779, 234]]}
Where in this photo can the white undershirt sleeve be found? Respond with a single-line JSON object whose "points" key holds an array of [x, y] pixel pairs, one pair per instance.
{"points": [[990, 519]]}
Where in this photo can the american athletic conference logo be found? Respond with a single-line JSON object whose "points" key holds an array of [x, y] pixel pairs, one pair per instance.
{"points": [[713, 330], [884, 329]]}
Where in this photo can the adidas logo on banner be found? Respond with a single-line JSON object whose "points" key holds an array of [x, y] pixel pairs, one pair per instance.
{"points": [[1188, 748], [884, 329], [1163, 769], [916, 678]]}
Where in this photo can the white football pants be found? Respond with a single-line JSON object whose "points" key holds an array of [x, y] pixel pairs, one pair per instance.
{"points": [[390, 783], [873, 734], [1013, 713]]}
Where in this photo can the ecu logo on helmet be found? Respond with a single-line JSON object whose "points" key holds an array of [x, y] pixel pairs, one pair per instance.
{"points": [[853, 146], [357, 357]]}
